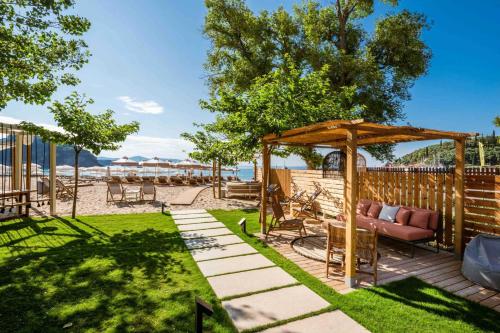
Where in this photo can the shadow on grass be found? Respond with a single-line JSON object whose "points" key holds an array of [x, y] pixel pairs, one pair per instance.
{"points": [[419, 295], [129, 280]]}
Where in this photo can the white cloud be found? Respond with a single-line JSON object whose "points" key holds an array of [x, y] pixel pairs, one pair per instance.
{"points": [[150, 107], [148, 146]]}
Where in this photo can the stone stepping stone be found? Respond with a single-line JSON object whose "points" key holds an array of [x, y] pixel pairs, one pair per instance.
{"points": [[194, 221], [261, 309], [187, 211], [252, 281], [198, 243], [192, 216], [205, 233], [234, 264], [200, 226], [335, 321], [222, 252]]}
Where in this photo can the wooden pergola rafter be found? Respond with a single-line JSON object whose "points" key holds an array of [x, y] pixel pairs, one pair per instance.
{"points": [[348, 135]]}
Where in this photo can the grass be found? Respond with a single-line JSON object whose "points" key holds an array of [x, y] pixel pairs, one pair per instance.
{"points": [[113, 273], [409, 305]]}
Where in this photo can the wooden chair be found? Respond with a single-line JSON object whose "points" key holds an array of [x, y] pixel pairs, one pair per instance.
{"points": [[308, 206], [115, 189], [63, 190], [148, 188], [366, 248], [280, 222]]}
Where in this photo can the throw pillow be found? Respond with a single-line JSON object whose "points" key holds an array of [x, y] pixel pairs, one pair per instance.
{"points": [[403, 216], [388, 213], [419, 219], [363, 206], [374, 210]]}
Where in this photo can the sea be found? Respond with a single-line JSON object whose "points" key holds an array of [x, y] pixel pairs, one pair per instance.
{"points": [[243, 172]]}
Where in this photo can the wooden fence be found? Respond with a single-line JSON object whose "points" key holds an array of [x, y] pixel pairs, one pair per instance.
{"points": [[431, 188]]}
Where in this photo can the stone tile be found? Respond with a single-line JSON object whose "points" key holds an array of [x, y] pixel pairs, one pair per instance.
{"points": [[205, 233], [214, 241], [222, 252], [191, 216], [200, 226], [195, 221], [265, 308], [251, 281], [187, 211], [234, 264], [335, 321]]}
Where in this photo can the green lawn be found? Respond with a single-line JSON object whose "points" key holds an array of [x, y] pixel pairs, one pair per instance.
{"points": [[119, 273], [404, 306], [114, 273]]}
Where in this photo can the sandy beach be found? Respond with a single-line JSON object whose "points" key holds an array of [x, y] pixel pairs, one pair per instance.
{"points": [[92, 201]]}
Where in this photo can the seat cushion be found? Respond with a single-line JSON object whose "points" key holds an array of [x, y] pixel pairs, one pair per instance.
{"points": [[363, 206], [374, 209], [394, 230], [419, 219], [403, 216]]}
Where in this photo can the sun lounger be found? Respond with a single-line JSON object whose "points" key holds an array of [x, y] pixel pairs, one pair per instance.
{"points": [[116, 192], [148, 188]]}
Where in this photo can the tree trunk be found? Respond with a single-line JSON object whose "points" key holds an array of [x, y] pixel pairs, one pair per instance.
{"points": [[75, 192], [219, 176], [214, 167]]}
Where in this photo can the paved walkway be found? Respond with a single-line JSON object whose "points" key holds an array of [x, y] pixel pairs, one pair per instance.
{"points": [[188, 196], [253, 290]]}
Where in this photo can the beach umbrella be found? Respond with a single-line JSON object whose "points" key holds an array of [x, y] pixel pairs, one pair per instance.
{"points": [[188, 164], [125, 161]]}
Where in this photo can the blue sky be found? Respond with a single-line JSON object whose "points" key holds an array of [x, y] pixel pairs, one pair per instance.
{"points": [[148, 57]]}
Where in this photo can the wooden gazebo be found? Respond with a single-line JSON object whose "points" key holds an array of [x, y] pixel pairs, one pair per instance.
{"points": [[348, 135]]}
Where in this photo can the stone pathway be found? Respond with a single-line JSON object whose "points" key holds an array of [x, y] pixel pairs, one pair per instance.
{"points": [[253, 290]]}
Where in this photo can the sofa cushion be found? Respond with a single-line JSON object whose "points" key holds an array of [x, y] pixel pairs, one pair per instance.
{"points": [[363, 206], [394, 230], [403, 216], [419, 219], [388, 213], [374, 210]]}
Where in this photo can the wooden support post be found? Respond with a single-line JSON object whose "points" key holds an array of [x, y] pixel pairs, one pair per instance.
{"points": [[459, 196], [351, 184], [255, 170], [28, 172], [52, 179], [263, 195], [219, 180], [214, 167], [18, 162], [344, 207]]}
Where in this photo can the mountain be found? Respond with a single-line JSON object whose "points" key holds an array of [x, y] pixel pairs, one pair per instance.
{"points": [[65, 155], [443, 153]]}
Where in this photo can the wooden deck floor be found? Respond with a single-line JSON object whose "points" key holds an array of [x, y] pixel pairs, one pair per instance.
{"points": [[439, 269]]}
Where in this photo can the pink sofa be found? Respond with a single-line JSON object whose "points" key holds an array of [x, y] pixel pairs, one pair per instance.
{"points": [[430, 230]]}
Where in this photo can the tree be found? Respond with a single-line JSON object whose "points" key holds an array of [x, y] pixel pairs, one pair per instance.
{"points": [[496, 121], [210, 148], [39, 47], [83, 130], [377, 69]]}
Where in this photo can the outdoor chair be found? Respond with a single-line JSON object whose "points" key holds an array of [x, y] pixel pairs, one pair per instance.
{"points": [[366, 248], [63, 190], [307, 207], [163, 180], [148, 188], [115, 191], [116, 179], [176, 180], [281, 222]]}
